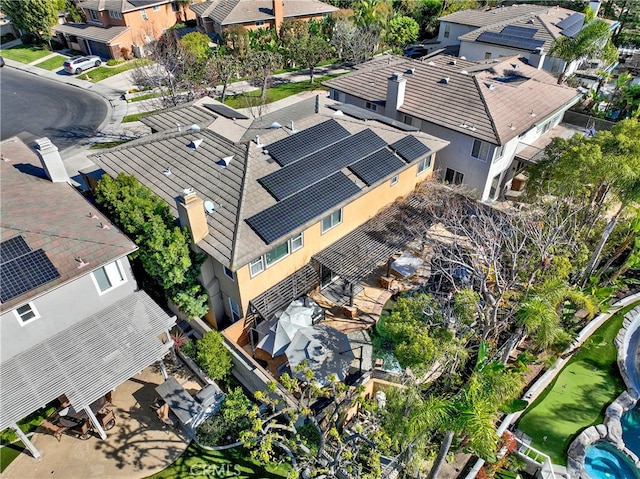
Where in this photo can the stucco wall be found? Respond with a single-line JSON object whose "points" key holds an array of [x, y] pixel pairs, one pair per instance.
{"points": [[60, 309], [455, 31]]}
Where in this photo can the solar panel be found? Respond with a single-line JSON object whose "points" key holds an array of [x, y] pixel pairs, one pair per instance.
{"points": [[571, 20], [13, 248], [517, 31], [409, 148], [282, 218], [321, 164], [512, 41], [225, 111], [377, 166], [305, 142], [25, 273]]}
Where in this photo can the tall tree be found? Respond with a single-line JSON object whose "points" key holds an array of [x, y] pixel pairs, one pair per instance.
{"points": [[401, 31], [224, 68], [260, 65], [33, 16]]}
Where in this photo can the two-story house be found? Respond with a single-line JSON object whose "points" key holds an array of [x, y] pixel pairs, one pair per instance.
{"points": [[525, 30], [263, 197], [217, 15], [487, 111], [72, 319], [115, 25]]}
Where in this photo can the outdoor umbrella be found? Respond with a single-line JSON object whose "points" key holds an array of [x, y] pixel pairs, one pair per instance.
{"points": [[325, 350], [280, 334]]}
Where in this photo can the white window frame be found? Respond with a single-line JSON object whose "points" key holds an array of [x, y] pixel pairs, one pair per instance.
{"points": [[259, 264], [156, 8], [115, 14], [93, 15], [394, 180], [111, 270], [485, 150], [143, 12], [235, 309], [498, 153], [333, 224], [424, 164], [371, 106], [32, 309], [447, 30], [228, 273]]}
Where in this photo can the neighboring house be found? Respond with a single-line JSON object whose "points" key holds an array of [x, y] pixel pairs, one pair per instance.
{"points": [[262, 200], [217, 15], [114, 25], [525, 30], [72, 319], [487, 111]]}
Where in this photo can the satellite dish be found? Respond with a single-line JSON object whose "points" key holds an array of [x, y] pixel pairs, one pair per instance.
{"points": [[209, 206]]}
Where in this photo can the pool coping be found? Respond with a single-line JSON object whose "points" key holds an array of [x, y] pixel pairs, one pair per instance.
{"points": [[611, 429]]}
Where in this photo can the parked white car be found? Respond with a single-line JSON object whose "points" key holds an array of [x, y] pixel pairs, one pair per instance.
{"points": [[79, 64]]}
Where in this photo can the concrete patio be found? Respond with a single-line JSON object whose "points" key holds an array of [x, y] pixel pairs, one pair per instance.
{"points": [[139, 445]]}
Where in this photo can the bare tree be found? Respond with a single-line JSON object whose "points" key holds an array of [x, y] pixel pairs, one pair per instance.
{"points": [[260, 65], [224, 68], [354, 44]]}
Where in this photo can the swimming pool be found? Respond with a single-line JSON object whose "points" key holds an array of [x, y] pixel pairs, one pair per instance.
{"points": [[631, 430], [604, 461]]}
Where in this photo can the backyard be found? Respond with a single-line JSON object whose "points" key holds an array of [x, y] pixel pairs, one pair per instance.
{"points": [[196, 462], [579, 395]]}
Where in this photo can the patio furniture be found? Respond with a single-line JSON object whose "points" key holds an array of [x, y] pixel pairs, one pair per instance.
{"points": [[179, 400]]}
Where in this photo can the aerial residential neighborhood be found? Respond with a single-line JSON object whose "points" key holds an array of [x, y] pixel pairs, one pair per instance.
{"points": [[320, 239]]}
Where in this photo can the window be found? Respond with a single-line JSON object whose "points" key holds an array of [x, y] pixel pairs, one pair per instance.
{"points": [[424, 164], [394, 180], [235, 310], [115, 14], [331, 221], [453, 176], [371, 106], [277, 253], [143, 12], [499, 152], [256, 266], [156, 8], [487, 55], [108, 277], [93, 16], [260, 23], [296, 242], [447, 30], [228, 273], [481, 150], [175, 8], [26, 313]]}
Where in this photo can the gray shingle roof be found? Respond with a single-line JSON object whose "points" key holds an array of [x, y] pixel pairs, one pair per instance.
{"points": [[234, 190], [183, 116], [54, 217], [85, 361], [91, 32], [466, 103], [489, 16], [122, 6], [229, 12]]}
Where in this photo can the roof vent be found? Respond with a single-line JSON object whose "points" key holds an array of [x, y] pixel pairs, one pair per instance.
{"points": [[472, 128], [275, 125], [209, 207], [445, 80], [532, 113], [195, 144], [464, 72], [511, 127], [224, 162], [411, 71], [431, 64], [178, 126], [167, 172], [463, 58], [293, 129], [530, 21], [193, 127], [515, 66], [490, 86], [258, 141], [338, 113], [186, 191], [452, 62], [81, 263]]}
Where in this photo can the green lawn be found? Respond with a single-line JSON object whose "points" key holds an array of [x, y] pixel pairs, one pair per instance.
{"points": [[9, 453], [196, 462], [277, 92], [25, 53], [102, 72], [53, 63], [579, 395]]}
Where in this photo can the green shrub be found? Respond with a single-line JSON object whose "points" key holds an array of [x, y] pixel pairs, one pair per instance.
{"points": [[113, 62], [226, 426]]}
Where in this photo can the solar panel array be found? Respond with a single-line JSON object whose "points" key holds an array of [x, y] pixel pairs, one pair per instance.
{"points": [[409, 148], [517, 31], [12, 248], [285, 216], [225, 111], [303, 143], [513, 41], [24, 273], [311, 169], [376, 166], [571, 25]]}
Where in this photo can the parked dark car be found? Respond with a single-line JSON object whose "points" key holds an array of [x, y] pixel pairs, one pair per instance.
{"points": [[1, 62], [79, 64]]}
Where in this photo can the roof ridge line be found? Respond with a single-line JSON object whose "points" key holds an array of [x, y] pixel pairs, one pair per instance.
{"points": [[486, 108], [241, 207]]}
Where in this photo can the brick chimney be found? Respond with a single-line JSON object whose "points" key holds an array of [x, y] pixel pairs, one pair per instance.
{"points": [[192, 214], [51, 161], [396, 85], [278, 13]]}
